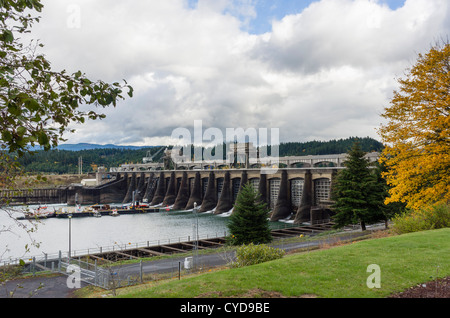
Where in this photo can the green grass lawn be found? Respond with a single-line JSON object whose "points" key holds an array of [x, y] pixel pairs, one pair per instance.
{"points": [[404, 260]]}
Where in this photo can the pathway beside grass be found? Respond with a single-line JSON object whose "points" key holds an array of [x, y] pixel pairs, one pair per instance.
{"points": [[404, 261]]}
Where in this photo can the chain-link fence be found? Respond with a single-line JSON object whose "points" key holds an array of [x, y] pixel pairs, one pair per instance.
{"points": [[174, 267], [111, 275]]}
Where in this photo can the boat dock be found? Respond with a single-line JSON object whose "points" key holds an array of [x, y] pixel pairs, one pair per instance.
{"points": [[169, 248], [146, 249], [106, 212], [89, 212]]}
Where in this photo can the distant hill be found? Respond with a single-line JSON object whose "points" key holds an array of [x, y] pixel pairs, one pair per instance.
{"points": [[65, 159], [87, 146]]}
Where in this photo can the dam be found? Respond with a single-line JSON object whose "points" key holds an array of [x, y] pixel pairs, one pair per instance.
{"points": [[297, 188]]}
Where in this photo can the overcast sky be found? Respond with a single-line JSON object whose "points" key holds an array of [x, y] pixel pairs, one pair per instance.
{"points": [[317, 70]]}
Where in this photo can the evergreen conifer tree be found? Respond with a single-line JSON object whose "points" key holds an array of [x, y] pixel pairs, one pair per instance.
{"points": [[249, 222], [357, 193]]}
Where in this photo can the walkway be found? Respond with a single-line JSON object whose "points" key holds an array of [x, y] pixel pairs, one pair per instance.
{"points": [[56, 287]]}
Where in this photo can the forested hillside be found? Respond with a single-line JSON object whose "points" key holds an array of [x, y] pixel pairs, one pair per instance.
{"points": [[328, 147], [66, 162]]}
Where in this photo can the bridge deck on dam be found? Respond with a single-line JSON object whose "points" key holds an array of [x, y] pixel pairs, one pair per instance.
{"points": [[250, 161]]}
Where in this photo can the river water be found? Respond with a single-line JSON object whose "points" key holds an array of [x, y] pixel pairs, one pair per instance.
{"points": [[107, 231]]}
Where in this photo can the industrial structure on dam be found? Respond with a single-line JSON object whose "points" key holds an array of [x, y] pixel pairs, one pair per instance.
{"points": [[297, 187]]}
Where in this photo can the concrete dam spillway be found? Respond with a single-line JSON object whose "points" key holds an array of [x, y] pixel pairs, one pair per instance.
{"points": [[300, 190], [296, 193]]}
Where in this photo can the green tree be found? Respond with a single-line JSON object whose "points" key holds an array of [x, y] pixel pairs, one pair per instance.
{"points": [[37, 104], [357, 193], [389, 210], [249, 221]]}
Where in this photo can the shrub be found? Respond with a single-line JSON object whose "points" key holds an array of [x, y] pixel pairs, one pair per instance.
{"points": [[429, 218], [254, 254]]}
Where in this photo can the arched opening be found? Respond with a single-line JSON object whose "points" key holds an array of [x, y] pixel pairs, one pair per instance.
{"points": [[204, 186], [177, 185], [296, 191], [300, 165], [274, 189], [219, 185], [324, 164], [322, 190], [255, 183], [235, 185], [190, 185]]}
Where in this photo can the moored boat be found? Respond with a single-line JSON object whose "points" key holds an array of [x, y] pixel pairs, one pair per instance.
{"points": [[42, 212]]}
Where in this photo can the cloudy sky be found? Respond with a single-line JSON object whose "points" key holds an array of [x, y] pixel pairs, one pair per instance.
{"points": [[317, 70]]}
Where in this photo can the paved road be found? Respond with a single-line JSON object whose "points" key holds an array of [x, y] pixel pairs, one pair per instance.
{"points": [[56, 286], [38, 287]]}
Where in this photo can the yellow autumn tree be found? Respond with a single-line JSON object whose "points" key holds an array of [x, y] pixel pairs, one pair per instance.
{"points": [[417, 133]]}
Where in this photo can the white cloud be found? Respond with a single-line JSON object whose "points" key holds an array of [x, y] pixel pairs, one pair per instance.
{"points": [[331, 33], [324, 73]]}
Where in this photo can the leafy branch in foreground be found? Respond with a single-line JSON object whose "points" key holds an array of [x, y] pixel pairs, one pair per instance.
{"points": [[37, 104]]}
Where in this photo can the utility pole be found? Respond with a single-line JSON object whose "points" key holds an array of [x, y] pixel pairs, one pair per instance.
{"points": [[196, 239], [80, 165], [70, 237]]}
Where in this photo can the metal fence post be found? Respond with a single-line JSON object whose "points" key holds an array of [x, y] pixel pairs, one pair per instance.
{"points": [[141, 272], [34, 266], [59, 262], [95, 271]]}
